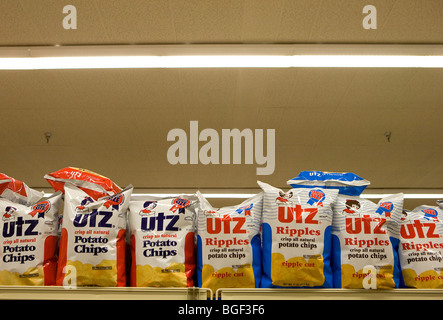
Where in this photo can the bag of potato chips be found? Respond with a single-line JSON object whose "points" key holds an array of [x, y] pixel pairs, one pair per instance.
{"points": [[364, 242], [345, 182], [421, 247], [297, 237], [228, 244], [162, 241], [92, 244], [28, 242], [94, 184]]}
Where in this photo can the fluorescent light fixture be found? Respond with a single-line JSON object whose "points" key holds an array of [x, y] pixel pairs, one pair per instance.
{"points": [[301, 61], [219, 56]]}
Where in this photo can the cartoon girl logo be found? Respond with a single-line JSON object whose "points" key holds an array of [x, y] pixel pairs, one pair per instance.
{"points": [[8, 215], [352, 206], [284, 198], [83, 207], [148, 207]]}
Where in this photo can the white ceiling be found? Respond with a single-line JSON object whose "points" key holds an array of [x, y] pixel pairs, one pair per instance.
{"points": [[115, 122]]}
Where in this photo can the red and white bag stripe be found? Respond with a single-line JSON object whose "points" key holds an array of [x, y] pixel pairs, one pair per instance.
{"points": [[94, 184]]}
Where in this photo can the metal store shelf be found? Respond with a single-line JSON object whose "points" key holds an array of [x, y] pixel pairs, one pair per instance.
{"points": [[328, 294], [103, 293], [129, 293]]}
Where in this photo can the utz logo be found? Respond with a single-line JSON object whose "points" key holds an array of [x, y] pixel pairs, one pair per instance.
{"points": [[385, 208], [418, 229], [180, 204], [159, 222], [148, 208], [114, 201], [9, 213], [83, 207], [284, 198], [17, 227], [246, 209], [288, 214], [40, 209], [365, 224], [430, 214], [316, 197]]}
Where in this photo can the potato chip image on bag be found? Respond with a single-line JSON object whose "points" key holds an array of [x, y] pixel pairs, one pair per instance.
{"points": [[229, 244], [421, 247], [92, 244], [28, 242], [297, 237], [364, 242], [162, 241]]}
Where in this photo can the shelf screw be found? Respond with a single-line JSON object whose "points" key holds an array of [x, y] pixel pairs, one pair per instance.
{"points": [[47, 136]]}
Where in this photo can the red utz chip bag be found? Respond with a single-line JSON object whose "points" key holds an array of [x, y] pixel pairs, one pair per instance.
{"points": [[18, 191], [297, 237], [94, 184], [364, 242], [162, 241], [92, 244], [28, 242], [421, 247], [229, 244]]}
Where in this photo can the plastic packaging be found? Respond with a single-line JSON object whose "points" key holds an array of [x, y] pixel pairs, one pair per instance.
{"points": [[229, 244], [421, 247], [364, 242], [347, 183], [92, 244], [17, 191], [297, 237], [162, 241], [29, 242], [94, 184]]}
